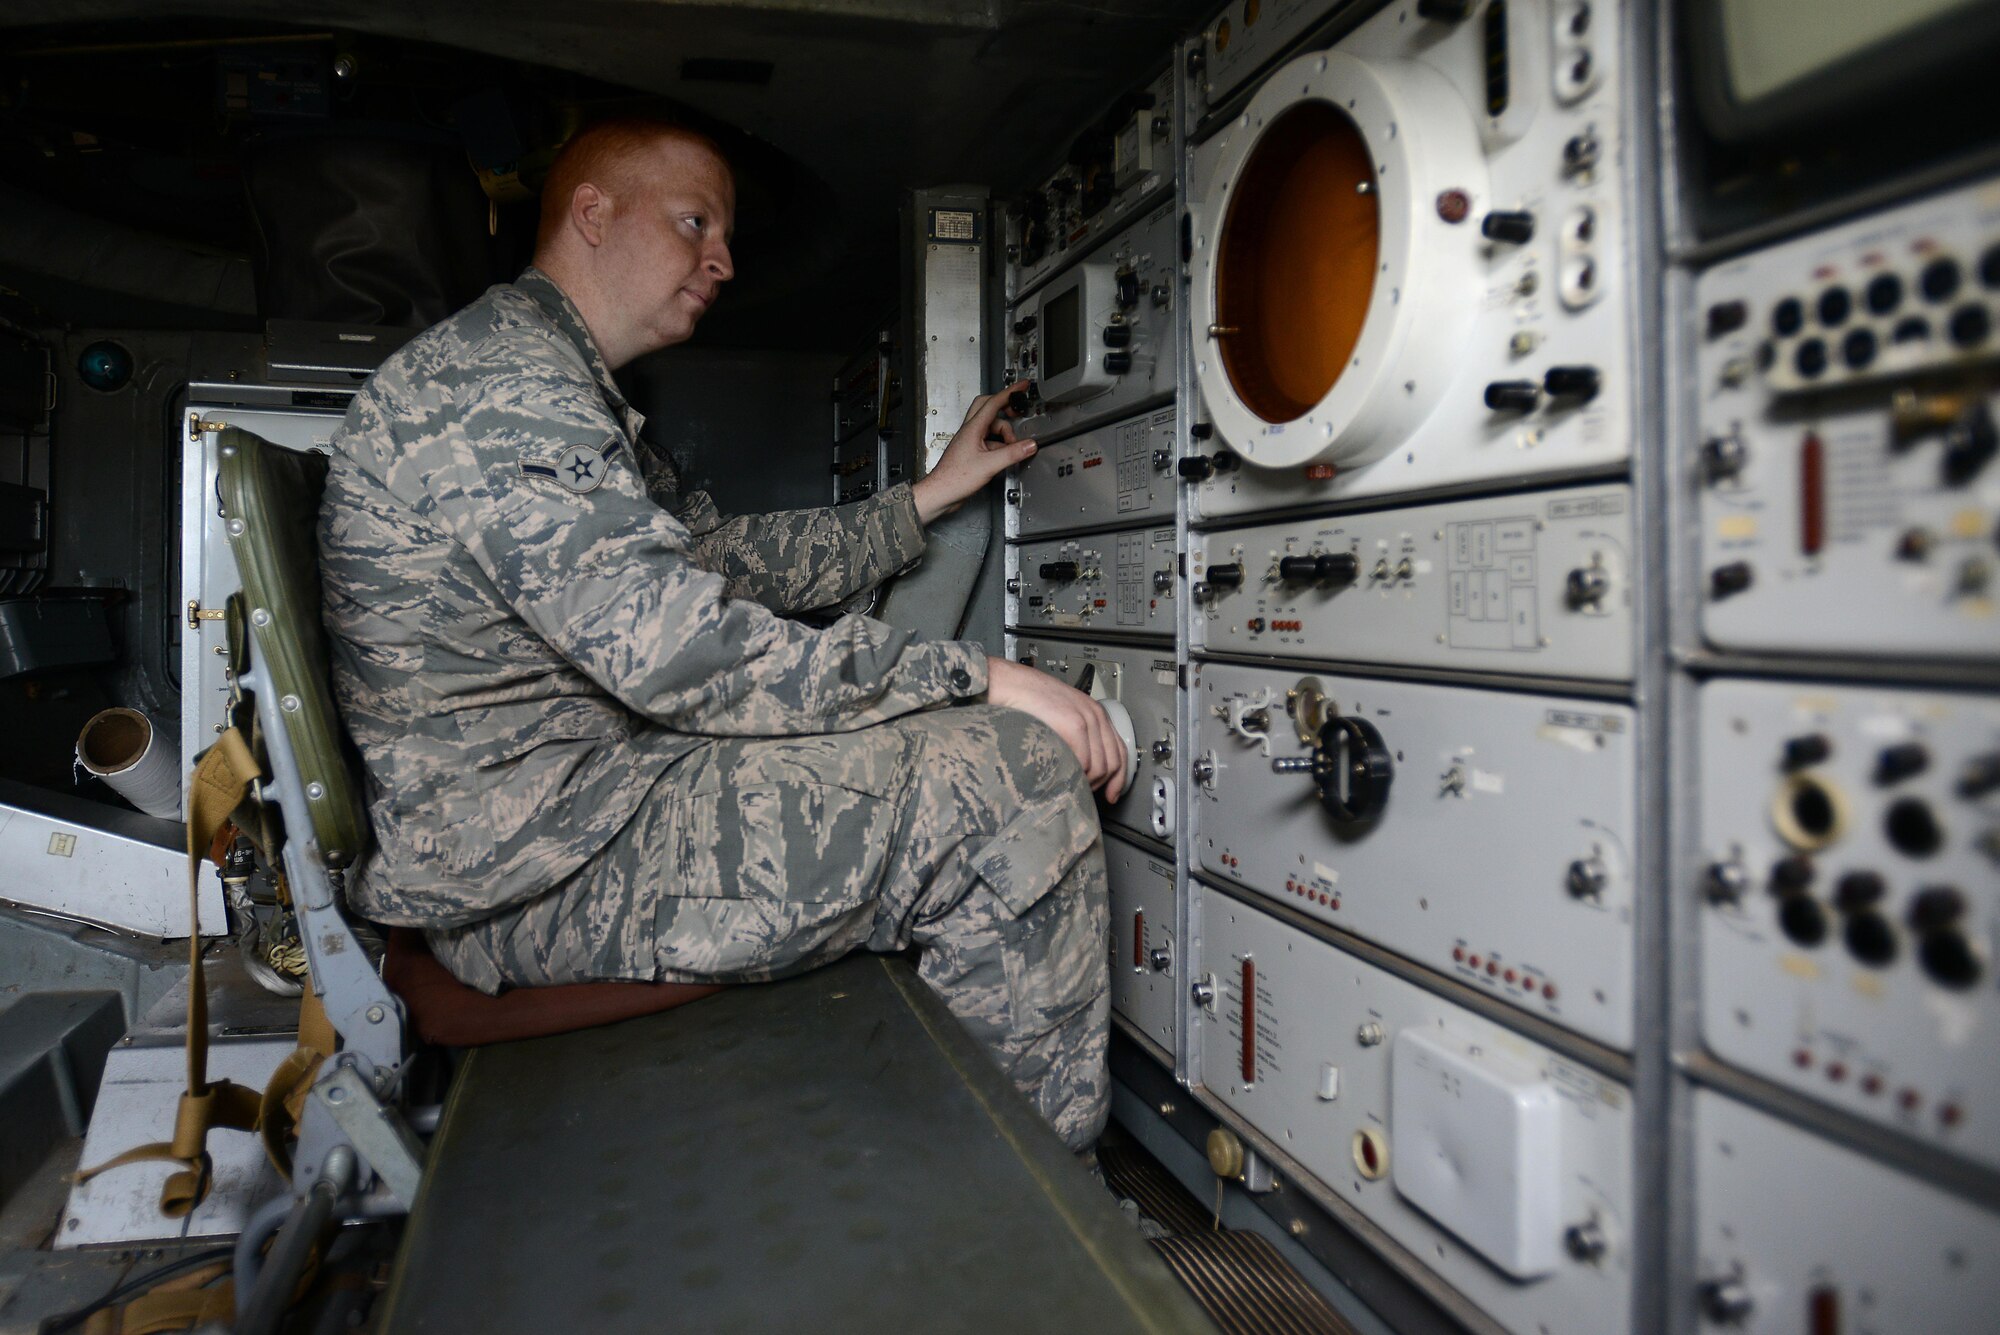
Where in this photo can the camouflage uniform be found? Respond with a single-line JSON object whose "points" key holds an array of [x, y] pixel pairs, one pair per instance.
{"points": [[592, 749]]}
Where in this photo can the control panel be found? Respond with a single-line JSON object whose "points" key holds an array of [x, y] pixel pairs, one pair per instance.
{"points": [[1797, 1236], [1411, 259], [1145, 959], [1113, 169], [1100, 339], [1117, 474], [1850, 845], [1500, 1165], [1486, 835], [1533, 584], [1244, 38], [1110, 582], [1143, 680], [1849, 383]]}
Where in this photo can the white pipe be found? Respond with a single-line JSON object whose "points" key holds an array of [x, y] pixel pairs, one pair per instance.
{"points": [[123, 748]]}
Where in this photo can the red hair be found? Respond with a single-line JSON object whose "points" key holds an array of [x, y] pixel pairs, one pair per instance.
{"points": [[608, 155]]}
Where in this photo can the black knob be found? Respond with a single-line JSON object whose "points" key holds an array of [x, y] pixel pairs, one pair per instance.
{"points": [[1809, 749], [1196, 468], [1062, 571], [1858, 890], [1939, 280], [1835, 305], [1201, 430], [1573, 382], [1225, 462], [1788, 317], [1514, 226], [1980, 776], [1792, 875], [1902, 761], [1858, 349], [1117, 336], [1733, 578], [1810, 359], [1802, 919], [1726, 317], [1969, 326], [1117, 363], [1025, 325], [1320, 568], [1513, 396], [1969, 445], [1949, 960], [1352, 769], [1023, 400], [1226, 576], [1936, 907], [1884, 293]]}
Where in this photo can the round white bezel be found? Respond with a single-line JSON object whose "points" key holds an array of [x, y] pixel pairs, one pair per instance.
{"points": [[1424, 142]]}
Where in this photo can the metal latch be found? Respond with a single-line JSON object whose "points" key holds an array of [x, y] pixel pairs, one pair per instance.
{"points": [[198, 614]]}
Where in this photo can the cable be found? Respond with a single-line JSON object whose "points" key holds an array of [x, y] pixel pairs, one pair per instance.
{"points": [[56, 1325]]}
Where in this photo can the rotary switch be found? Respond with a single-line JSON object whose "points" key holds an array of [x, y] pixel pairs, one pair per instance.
{"points": [[1349, 765], [1117, 363], [1226, 576], [1320, 568], [1587, 586]]}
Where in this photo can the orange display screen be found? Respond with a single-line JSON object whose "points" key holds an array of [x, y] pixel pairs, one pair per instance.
{"points": [[1296, 268]]}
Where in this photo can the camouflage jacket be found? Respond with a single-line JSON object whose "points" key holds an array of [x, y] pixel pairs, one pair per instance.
{"points": [[529, 623]]}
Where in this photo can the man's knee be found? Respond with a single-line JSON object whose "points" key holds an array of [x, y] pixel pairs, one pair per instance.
{"points": [[1034, 760]]}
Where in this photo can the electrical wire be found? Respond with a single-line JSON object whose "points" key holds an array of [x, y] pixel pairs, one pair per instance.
{"points": [[56, 1325]]}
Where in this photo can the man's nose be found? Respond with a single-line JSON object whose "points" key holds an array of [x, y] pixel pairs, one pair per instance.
{"points": [[718, 263]]}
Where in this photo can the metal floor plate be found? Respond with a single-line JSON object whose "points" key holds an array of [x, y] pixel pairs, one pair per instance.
{"points": [[831, 1153], [136, 1104]]}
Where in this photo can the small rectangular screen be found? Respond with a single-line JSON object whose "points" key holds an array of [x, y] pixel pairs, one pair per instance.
{"points": [[1062, 333], [1770, 45]]}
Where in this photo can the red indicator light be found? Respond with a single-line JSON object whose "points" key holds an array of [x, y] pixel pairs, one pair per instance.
{"points": [[1823, 1310], [1549, 991], [1249, 1022], [1951, 1114], [1812, 495], [1319, 472], [1802, 1059]]}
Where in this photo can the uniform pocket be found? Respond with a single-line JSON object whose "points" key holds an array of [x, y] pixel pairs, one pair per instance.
{"points": [[1054, 955]]}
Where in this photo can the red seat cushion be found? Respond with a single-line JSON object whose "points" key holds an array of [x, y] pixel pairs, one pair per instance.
{"points": [[450, 1014]]}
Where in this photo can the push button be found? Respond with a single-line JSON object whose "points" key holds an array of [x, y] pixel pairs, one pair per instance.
{"points": [[960, 681]]}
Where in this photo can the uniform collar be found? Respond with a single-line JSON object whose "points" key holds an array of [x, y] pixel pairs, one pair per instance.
{"points": [[556, 303]]}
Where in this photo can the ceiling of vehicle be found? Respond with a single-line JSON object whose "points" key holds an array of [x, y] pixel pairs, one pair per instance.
{"points": [[113, 118]]}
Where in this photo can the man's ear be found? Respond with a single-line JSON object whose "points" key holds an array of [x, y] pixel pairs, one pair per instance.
{"points": [[589, 213]]}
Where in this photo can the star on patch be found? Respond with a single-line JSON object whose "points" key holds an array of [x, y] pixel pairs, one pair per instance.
{"points": [[580, 468]]}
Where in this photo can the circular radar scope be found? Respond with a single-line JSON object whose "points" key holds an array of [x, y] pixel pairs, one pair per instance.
{"points": [[1333, 287]]}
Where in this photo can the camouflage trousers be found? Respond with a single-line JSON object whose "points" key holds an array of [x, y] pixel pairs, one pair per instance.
{"points": [[967, 832]]}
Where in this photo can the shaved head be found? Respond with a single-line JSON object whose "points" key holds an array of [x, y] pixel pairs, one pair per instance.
{"points": [[617, 156]]}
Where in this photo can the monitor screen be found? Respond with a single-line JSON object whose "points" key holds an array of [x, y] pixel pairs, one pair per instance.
{"points": [[1062, 332], [1770, 45]]}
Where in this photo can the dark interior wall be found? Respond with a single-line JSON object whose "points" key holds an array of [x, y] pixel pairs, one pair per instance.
{"points": [[751, 428]]}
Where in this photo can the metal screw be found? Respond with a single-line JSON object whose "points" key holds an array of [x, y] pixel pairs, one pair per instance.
{"points": [[315, 791], [1369, 1035], [260, 617], [376, 1015], [289, 703]]}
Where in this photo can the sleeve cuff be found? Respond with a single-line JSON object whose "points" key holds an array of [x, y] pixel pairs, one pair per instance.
{"points": [[957, 668], [902, 532]]}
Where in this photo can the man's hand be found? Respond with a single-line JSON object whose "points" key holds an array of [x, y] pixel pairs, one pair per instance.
{"points": [[1079, 720], [983, 448]]}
